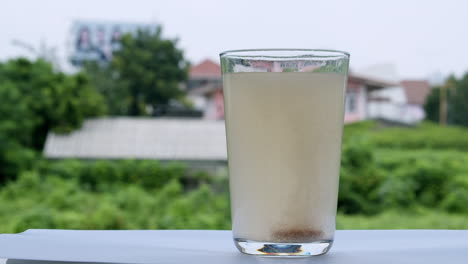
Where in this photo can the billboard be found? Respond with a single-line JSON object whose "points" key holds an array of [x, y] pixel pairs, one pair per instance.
{"points": [[96, 41]]}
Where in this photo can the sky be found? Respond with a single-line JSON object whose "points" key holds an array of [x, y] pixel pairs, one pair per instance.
{"points": [[420, 38]]}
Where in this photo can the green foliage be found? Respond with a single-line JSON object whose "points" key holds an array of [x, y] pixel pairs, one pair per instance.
{"points": [[456, 200], [52, 99], [457, 101], [114, 90], [151, 67], [382, 179], [107, 175], [359, 179], [426, 135], [16, 127], [36, 99], [15, 117], [146, 72], [15, 158], [384, 184], [395, 167], [401, 189], [55, 201], [432, 105], [423, 177], [403, 219]]}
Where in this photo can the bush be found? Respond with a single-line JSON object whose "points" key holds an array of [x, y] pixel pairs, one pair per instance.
{"points": [[426, 178], [374, 180], [105, 174], [426, 135], [35, 99], [50, 201], [427, 184], [403, 219], [456, 200], [359, 179]]}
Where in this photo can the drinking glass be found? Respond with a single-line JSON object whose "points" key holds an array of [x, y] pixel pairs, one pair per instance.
{"points": [[284, 120]]}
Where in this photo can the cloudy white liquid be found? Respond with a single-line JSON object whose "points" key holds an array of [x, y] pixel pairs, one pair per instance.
{"points": [[284, 145]]}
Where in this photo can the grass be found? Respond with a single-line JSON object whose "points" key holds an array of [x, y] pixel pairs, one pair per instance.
{"points": [[397, 219], [426, 135]]}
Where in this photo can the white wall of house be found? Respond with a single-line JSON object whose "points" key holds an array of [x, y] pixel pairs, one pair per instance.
{"points": [[199, 101], [394, 94], [405, 113], [395, 107]]}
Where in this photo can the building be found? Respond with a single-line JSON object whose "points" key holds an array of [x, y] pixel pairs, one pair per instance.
{"points": [[199, 143], [205, 90], [358, 96], [403, 103], [416, 91]]}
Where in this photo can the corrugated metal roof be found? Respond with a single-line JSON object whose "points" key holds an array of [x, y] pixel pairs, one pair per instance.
{"points": [[141, 138]]}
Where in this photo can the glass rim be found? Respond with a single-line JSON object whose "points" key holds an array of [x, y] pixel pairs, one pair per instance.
{"points": [[294, 53]]}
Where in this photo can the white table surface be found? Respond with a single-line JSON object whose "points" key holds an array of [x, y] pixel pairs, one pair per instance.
{"points": [[198, 246]]}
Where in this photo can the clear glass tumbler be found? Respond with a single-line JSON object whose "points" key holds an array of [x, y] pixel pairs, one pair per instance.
{"points": [[284, 121]]}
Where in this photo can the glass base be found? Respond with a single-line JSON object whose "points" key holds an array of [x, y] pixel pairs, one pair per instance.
{"points": [[283, 249]]}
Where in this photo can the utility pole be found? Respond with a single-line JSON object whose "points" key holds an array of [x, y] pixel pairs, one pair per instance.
{"points": [[448, 88], [443, 105]]}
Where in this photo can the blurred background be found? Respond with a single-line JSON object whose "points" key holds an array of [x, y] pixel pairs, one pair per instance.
{"points": [[111, 112]]}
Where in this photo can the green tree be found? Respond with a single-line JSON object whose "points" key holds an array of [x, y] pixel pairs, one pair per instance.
{"points": [[457, 101], [431, 106], [37, 99], [458, 104], [53, 99], [151, 67], [16, 126], [107, 82]]}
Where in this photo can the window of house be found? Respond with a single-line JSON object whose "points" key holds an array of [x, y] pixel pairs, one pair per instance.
{"points": [[351, 102]]}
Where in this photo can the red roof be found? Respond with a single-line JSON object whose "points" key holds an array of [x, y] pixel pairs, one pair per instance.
{"points": [[416, 91], [206, 69]]}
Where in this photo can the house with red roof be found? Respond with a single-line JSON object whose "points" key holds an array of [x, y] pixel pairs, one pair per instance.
{"points": [[205, 90], [402, 103]]}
